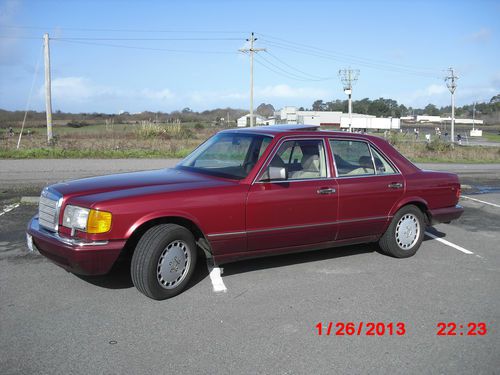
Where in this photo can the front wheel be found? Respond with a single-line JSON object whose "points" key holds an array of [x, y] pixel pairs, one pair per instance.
{"points": [[163, 261], [405, 233]]}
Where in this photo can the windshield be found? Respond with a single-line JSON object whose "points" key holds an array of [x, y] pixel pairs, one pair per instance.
{"points": [[230, 155]]}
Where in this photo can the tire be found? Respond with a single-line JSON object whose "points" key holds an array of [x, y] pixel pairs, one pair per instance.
{"points": [[163, 261], [405, 233]]}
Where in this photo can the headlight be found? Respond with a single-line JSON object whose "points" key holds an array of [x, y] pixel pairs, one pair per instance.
{"points": [[87, 220]]}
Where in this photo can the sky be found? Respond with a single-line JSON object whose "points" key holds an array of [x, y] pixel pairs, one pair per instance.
{"points": [[111, 56]]}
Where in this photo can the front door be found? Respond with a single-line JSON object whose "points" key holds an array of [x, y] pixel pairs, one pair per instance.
{"points": [[298, 209]]}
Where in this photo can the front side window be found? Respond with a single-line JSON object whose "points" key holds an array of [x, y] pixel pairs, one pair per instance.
{"points": [[230, 155], [301, 159], [352, 158]]}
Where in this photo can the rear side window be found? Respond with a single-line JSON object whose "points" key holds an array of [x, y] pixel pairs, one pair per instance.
{"points": [[382, 166], [352, 158]]}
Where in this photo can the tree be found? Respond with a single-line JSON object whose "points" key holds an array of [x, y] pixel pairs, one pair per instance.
{"points": [[431, 110], [318, 105]]}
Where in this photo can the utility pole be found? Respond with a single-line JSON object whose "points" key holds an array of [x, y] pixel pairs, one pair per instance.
{"points": [[251, 51], [48, 99], [473, 116], [348, 78], [451, 83]]}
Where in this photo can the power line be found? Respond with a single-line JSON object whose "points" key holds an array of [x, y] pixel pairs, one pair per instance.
{"points": [[300, 77], [313, 77], [28, 102], [143, 48], [359, 61], [258, 61], [309, 47], [146, 39]]}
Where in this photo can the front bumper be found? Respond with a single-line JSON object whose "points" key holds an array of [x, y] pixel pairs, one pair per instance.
{"points": [[84, 258], [445, 215]]}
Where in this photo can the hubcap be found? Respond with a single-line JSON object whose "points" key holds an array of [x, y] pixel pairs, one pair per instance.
{"points": [[407, 231], [173, 264]]}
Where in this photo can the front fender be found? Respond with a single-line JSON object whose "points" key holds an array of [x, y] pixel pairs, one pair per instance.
{"points": [[160, 215]]}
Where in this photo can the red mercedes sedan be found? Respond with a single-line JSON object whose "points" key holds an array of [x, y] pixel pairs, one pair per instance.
{"points": [[243, 193]]}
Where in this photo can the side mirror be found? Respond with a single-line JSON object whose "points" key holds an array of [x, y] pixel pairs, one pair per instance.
{"points": [[277, 173]]}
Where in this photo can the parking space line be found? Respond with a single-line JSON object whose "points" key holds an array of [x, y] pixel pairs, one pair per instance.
{"points": [[9, 208], [215, 277], [480, 201], [449, 243]]}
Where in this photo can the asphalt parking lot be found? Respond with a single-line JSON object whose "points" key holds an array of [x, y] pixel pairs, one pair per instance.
{"points": [[266, 322]]}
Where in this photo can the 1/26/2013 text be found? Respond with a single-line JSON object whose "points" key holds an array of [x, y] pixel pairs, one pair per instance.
{"points": [[361, 329]]}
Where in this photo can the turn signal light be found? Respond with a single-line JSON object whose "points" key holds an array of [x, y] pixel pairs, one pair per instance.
{"points": [[99, 221]]}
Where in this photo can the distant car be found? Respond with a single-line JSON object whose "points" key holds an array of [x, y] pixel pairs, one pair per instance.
{"points": [[243, 193]]}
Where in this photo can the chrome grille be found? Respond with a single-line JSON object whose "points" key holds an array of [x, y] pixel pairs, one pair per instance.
{"points": [[48, 209]]}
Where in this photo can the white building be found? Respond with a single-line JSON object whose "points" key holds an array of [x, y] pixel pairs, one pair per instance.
{"points": [[290, 115], [438, 119], [244, 121], [370, 122]]}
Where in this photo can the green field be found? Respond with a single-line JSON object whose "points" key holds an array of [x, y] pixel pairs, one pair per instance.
{"points": [[150, 140]]}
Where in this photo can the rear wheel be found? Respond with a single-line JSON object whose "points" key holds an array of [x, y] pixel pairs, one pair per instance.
{"points": [[405, 233], [163, 261]]}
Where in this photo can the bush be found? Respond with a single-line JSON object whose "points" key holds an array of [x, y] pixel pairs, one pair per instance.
{"points": [[199, 126], [175, 131], [438, 145]]}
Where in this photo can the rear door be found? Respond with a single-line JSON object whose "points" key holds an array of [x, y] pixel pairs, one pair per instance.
{"points": [[298, 210], [369, 185]]}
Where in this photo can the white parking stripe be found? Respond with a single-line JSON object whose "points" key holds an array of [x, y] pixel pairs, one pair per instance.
{"points": [[9, 208], [215, 277], [480, 201], [449, 243]]}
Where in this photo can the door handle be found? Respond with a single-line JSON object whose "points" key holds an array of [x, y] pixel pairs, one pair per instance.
{"points": [[395, 185], [326, 191]]}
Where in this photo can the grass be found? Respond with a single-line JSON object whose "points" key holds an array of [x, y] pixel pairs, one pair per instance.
{"points": [[60, 153], [438, 151], [491, 137]]}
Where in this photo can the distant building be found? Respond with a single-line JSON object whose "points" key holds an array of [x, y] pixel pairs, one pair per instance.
{"points": [[441, 120], [244, 121], [365, 123], [290, 115]]}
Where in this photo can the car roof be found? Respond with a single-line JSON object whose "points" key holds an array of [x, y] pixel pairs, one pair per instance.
{"points": [[287, 129]]}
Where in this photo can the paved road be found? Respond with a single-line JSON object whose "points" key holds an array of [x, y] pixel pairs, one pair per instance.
{"points": [[53, 322], [40, 172]]}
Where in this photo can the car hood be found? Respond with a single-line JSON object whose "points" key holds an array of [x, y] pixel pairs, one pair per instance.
{"points": [[162, 178]]}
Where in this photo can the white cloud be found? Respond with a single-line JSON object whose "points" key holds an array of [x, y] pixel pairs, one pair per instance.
{"points": [[283, 91], [82, 94], [440, 95], [431, 94], [483, 35], [81, 89]]}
